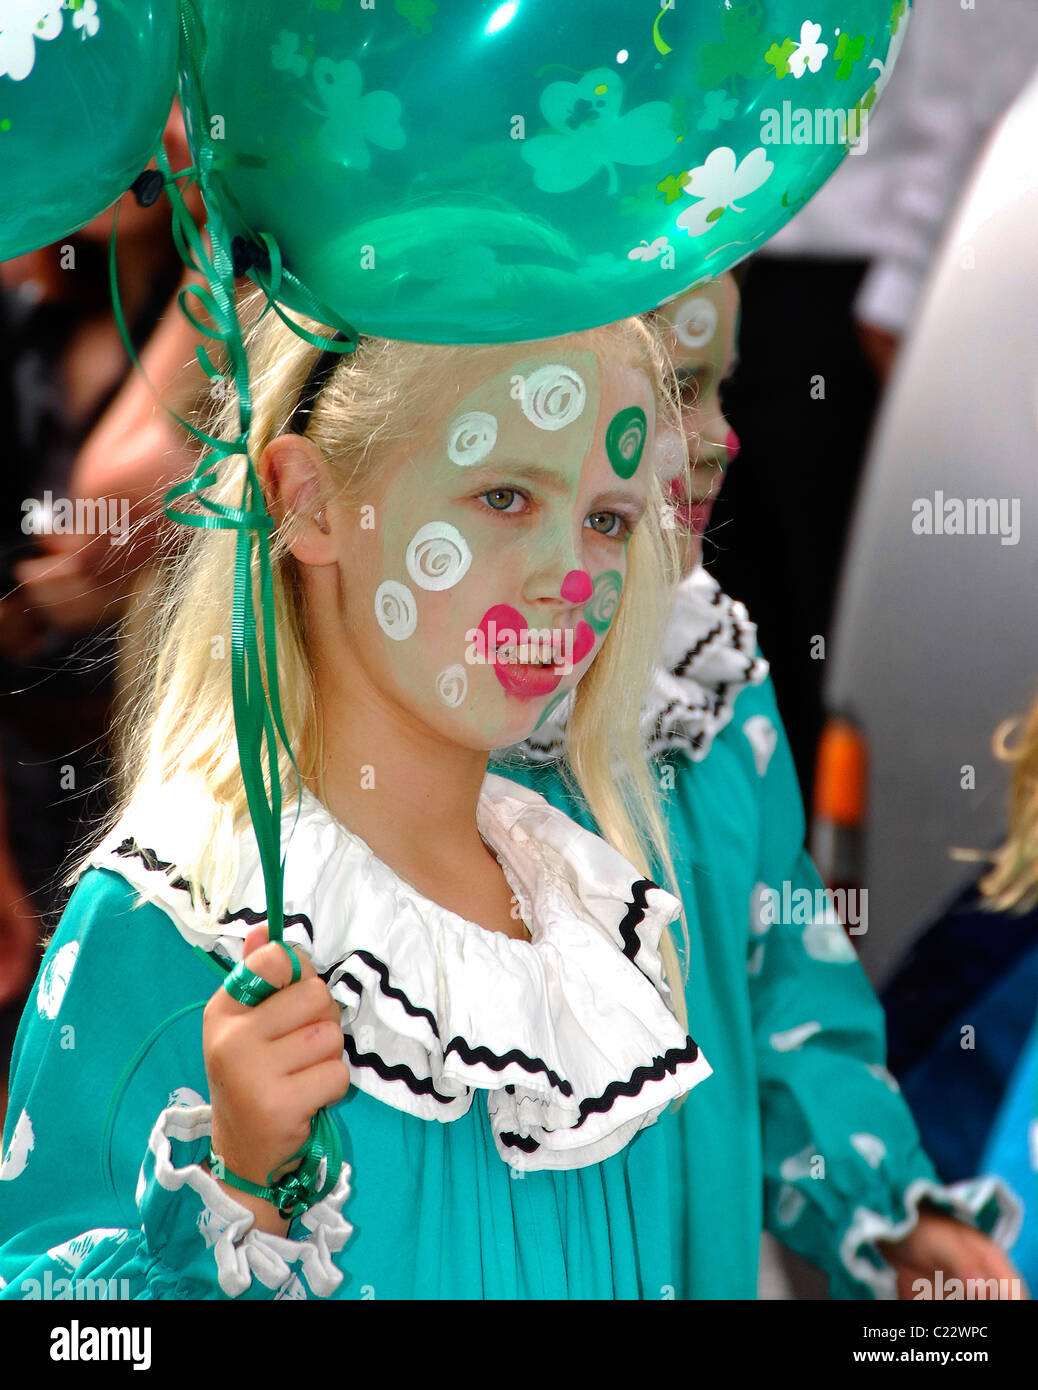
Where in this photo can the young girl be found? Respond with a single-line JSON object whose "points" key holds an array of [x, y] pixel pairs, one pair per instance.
{"points": [[809, 1136], [464, 534]]}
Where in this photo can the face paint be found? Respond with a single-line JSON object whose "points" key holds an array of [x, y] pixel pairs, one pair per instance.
{"points": [[452, 685], [577, 586], [553, 397], [438, 557], [695, 321], [396, 610], [625, 440], [503, 544], [702, 348], [601, 611], [472, 438]]}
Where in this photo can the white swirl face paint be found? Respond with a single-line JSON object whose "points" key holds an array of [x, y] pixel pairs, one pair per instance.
{"points": [[452, 685], [438, 556], [471, 438], [553, 396], [395, 610], [695, 321]]}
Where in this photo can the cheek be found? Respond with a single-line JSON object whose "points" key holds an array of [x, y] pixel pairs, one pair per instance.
{"points": [[600, 610]]}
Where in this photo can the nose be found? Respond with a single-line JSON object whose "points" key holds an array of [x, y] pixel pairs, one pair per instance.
{"points": [[577, 587], [731, 443], [556, 574]]}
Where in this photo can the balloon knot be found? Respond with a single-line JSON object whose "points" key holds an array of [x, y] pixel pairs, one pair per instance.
{"points": [[146, 187], [246, 255]]}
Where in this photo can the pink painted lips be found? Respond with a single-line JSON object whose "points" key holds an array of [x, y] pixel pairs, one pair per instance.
{"points": [[524, 680]]}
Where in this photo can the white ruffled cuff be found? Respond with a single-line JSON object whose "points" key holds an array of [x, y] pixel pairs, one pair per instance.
{"points": [[984, 1203], [190, 1236]]}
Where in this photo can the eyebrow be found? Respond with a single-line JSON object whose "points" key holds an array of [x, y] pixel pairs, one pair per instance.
{"points": [[550, 479]]}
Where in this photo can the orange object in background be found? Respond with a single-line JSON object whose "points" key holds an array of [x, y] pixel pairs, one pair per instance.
{"points": [[838, 820], [839, 794]]}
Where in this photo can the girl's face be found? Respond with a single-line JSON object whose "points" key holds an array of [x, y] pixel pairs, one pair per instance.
{"points": [[497, 549], [700, 330]]}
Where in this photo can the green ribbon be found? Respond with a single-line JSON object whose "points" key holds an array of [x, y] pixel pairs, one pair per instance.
{"points": [[258, 718]]}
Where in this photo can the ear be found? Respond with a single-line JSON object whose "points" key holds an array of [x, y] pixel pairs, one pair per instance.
{"points": [[294, 479]]}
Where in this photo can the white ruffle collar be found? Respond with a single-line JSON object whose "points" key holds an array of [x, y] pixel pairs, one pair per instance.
{"points": [[708, 656], [569, 1034]]}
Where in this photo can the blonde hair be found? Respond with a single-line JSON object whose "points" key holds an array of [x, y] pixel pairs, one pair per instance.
{"points": [[1013, 882], [176, 720]]}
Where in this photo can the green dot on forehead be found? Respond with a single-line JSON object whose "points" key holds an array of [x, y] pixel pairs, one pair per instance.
{"points": [[625, 440]]}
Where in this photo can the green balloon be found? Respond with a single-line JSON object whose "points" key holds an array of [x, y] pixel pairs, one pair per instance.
{"points": [[488, 172], [85, 90]]}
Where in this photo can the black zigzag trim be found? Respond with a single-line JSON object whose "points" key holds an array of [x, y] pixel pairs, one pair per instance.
{"points": [[661, 1067], [517, 1141], [498, 1063], [391, 991], [130, 849], [420, 1086], [686, 661], [400, 1072], [635, 915]]}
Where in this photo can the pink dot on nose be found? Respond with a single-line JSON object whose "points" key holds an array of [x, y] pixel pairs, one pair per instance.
{"points": [[731, 443], [577, 587]]}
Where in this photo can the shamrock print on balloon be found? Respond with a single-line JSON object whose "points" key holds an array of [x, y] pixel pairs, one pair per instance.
{"points": [[718, 183], [589, 133]]}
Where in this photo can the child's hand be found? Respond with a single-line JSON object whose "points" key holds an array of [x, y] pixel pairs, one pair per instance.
{"points": [[271, 1067], [940, 1243]]}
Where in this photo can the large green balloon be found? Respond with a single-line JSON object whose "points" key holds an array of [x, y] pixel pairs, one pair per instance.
{"points": [[85, 89], [481, 172]]}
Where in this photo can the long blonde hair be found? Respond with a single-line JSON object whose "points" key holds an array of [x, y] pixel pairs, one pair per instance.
{"points": [[176, 718], [1013, 882]]}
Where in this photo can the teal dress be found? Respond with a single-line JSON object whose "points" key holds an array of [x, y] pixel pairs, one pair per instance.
{"points": [[500, 1135], [801, 1131], [507, 1133]]}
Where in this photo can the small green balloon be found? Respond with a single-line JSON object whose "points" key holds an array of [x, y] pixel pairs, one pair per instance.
{"points": [[85, 90]]}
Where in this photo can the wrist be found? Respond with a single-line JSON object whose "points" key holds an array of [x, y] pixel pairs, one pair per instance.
{"points": [[267, 1216]]}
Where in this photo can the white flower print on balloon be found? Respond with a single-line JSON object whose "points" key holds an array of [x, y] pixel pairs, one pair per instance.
{"points": [[717, 185], [85, 18], [649, 250], [438, 556], [54, 980], [808, 53], [396, 610], [471, 438], [452, 685], [553, 396], [885, 66], [22, 23]]}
